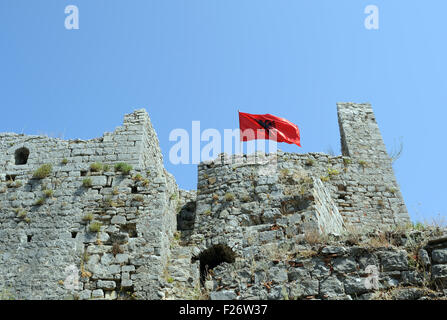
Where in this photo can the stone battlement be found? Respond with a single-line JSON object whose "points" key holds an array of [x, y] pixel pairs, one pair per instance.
{"points": [[135, 142]]}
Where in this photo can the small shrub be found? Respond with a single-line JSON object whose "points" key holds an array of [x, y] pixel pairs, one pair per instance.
{"points": [[363, 163], [212, 180], [314, 237], [43, 171], [95, 226], [412, 261], [324, 178], [332, 172], [419, 226], [115, 191], [106, 168], [170, 280], [346, 161], [284, 172], [39, 202], [173, 196], [207, 212], [64, 161], [48, 193], [122, 167], [145, 182], [353, 235], [21, 213], [379, 241], [309, 162], [137, 177], [308, 253], [87, 183], [229, 197], [109, 203], [85, 256], [96, 167], [87, 217], [391, 190]]}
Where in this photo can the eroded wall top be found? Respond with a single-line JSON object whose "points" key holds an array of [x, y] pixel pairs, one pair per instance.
{"points": [[135, 143]]}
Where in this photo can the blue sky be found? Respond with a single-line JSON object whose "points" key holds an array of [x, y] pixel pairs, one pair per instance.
{"points": [[186, 60]]}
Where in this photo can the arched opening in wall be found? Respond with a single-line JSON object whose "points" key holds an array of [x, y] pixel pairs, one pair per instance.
{"points": [[21, 156], [212, 257]]}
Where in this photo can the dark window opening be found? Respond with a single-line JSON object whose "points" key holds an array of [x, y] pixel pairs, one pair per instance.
{"points": [[21, 156], [134, 189], [83, 173], [341, 187], [212, 257], [186, 217], [131, 229], [74, 234], [28, 238], [11, 177]]}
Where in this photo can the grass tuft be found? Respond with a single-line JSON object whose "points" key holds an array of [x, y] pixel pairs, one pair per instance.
{"points": [[95, 226], [122, 167], [43, 171], [96, 167], [87, 183]]}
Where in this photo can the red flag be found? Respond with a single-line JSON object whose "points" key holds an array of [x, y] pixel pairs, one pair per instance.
{"points": [[267, 126]]}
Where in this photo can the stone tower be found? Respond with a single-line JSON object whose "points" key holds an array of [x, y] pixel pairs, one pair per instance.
{"points": [[362, 142]]}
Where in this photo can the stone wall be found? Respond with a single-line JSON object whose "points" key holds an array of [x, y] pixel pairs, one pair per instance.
{"points": [[44, 237], [47, 226], [126, 235], [261, 188], [393, 266]]}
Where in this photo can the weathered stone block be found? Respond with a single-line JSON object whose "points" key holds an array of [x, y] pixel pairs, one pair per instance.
{"points": [[223, 295], [331, 287], [118, 220], [85, 294], [334, 250], [344, 265], [108, 285], [394, 260], [439, 271], [356, 286], [98, 181], [424, 258], [98, 294], [439, 256], [304, 288]]}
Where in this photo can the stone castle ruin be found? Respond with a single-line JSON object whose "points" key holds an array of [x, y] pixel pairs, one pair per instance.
{"points": [[103, 219]]}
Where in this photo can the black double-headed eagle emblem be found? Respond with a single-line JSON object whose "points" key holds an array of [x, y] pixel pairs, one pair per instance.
{"points": [[267, 125]]}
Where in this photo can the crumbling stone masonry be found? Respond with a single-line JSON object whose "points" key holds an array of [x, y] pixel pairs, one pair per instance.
{"points": [[89, 229]]}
